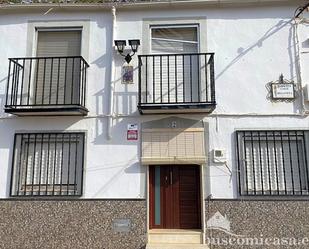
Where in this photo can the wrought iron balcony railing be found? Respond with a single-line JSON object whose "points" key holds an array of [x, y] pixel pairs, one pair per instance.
{"points": [[47, 86], [173, 83]]}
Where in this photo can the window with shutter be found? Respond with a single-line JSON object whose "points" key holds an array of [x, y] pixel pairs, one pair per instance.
{"points": [[57, 80], [48, 164], [174, 39], [178, 75], [273, 162]]}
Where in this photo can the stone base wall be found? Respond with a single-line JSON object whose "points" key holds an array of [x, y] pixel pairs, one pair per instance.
{"points": [[72, 224], [257, 224]]}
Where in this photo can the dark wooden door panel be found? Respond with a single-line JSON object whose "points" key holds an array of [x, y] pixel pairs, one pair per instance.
{"points": [[189, 197]]}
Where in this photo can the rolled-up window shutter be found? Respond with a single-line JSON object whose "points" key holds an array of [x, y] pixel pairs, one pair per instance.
{"points": [[59, 43], [173, 146]]}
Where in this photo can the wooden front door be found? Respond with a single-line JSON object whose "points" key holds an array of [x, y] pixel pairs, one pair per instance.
{"points": [[174, 197]]}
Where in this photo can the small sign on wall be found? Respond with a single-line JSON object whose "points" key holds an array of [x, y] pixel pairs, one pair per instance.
{"points": [[127, 74], [132, 132], [122, 225], [282, 91]]}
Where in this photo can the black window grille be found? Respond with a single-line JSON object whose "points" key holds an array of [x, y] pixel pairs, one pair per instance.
{"points": [[48, 164], [273, 163]]}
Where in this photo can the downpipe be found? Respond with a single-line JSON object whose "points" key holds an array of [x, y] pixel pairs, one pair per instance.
{"points": [[112, 80]]}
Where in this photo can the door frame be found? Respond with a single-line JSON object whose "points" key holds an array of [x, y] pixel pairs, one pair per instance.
{"points": [[170, 206], [202, 198]]}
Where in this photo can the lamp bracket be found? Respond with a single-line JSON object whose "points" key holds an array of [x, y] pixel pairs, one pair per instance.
{"points": [[128, 58]]}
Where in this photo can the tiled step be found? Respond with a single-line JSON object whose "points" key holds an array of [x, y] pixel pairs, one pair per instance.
{"points": [[174, 236], [176, 246]]}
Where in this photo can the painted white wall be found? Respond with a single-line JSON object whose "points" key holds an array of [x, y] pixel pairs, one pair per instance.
{"points": [[253, 46]]}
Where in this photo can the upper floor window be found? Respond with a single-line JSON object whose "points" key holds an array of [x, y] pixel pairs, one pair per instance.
{"points": [[174, 39], [54, 81], [273, 163], [48, 164], [175, 77], [65, 44]]}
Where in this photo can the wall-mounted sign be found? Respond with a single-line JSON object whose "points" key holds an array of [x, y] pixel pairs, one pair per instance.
{"points": [[122, 225], [282, 91], [127, 74], [132, 132]]}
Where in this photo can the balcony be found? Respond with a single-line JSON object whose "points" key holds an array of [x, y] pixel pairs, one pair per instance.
{"points": [[46, 86], [176, 83]]}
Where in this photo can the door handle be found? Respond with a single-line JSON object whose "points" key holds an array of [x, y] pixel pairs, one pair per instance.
{"points": [[171, 177]]}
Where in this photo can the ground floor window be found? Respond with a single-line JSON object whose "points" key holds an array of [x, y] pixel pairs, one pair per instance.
{"points": [[273, 162], [48, 164]]}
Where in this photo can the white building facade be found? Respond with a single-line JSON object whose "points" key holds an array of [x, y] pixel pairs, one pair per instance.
{"points": [[211, 113]]}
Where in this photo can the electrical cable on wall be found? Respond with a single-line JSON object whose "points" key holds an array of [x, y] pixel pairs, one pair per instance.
{"points": [[297, 15], [226, 165], [300, 10]]}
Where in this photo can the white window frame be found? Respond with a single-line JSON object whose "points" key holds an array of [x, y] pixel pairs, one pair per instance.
{"points": [[34, 26], [200, 21], [58, 25]]}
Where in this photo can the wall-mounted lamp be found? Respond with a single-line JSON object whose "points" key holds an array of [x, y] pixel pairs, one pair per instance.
{"points": [[120, 44]]}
